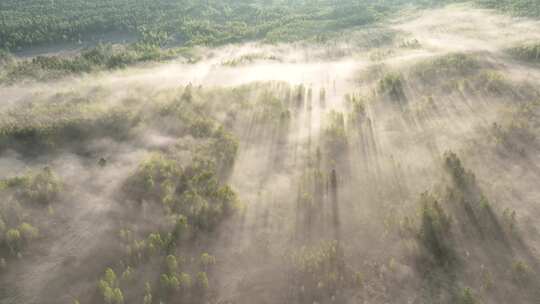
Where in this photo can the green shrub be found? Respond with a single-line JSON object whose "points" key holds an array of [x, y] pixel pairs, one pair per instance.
{"points": [[463, 179], [529, 52], [391, 85], [521, 272], [47, 126], [467, 297], [451, 66], [28, 232], [335, 137], [13, 240], [207, 261], [202, 283], [109, 288], [319, 272], [193, 193], [41, 188], [435, 231]]}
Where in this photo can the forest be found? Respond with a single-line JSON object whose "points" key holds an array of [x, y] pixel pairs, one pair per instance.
{"points": [[188, 22], [277, 151]]}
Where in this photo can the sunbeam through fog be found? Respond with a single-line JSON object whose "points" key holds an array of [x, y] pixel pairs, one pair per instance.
{"points": [[392, 160]]}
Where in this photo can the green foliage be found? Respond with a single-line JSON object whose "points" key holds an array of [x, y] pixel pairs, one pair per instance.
{"points": [[435, 231], [271, 110], [335, 137], [174, 281], [487, 280], [521, 272], [476, 215], [451, 65], [185, 280], [248, 59], [202, 283], [5, 58], [516, 7], [207, 261], [28, 232], [462, 178], [322, 95], [147, 294], [319, 272], [181, 228], [493, 82], [2, 226], [359, 279], [22, 194], [13, 240], [529, 52], [210, 23], [461, 73], [118, 296], [391, 85], [410, 44], [172, 264], [517, 129], [192, 108], [358, 106], [467, 297], [101, 57], [447, 73], [155, 243], [194, 192], [169, 282], [110, 277], [509, 218], [154, 177], [157, 23], [128, 275], [41, 188], [223, 149], [47, 126], [202, 127], [109, 288]]}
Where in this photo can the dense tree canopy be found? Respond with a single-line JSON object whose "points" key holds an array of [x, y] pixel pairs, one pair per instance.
{"points": [[189, 22]]}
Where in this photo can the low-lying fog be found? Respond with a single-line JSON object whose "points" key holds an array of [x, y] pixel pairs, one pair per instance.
{"points": [[395, 151]]}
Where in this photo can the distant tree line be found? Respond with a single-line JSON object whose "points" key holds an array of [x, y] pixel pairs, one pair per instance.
{"points": [[187, 22]]}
